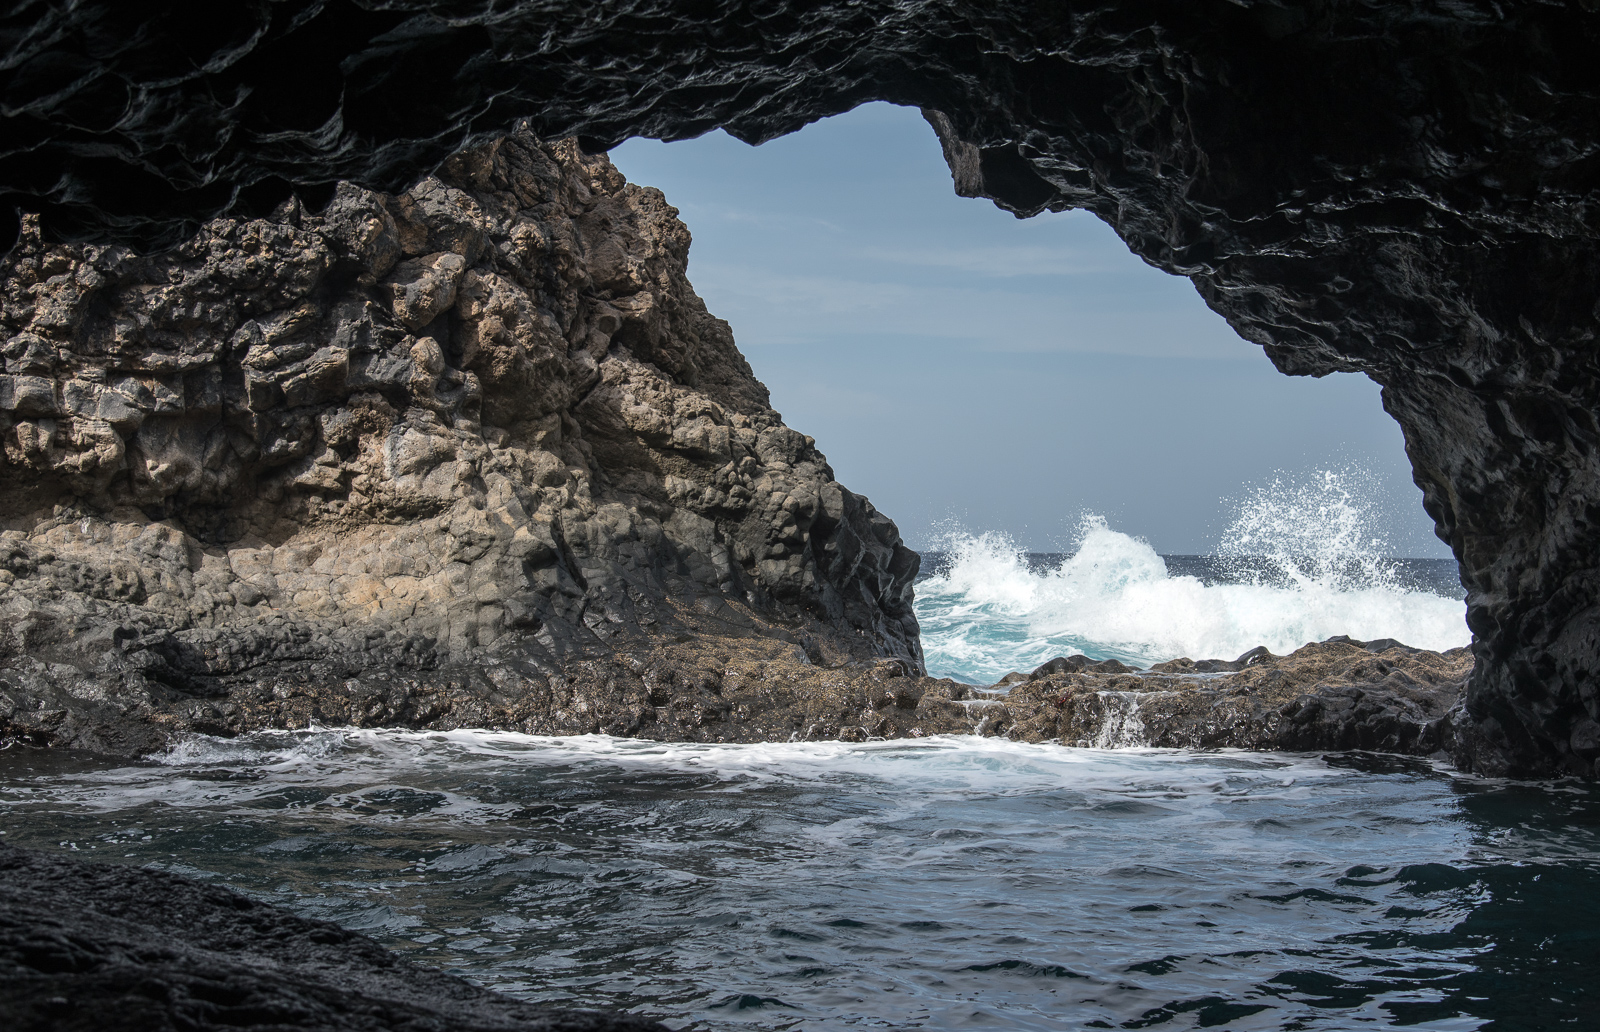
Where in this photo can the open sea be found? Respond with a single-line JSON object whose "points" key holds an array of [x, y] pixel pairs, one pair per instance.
{"points": [[987, 609], [942, 883], [1300, 562]]}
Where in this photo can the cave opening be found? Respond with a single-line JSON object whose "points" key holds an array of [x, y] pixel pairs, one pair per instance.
{"points": [[965, 367], [511, 505], [1376, 189], [1019, 395]]}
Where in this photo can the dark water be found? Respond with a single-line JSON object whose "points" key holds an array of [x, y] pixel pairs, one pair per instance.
{"points": [[948, 883]]}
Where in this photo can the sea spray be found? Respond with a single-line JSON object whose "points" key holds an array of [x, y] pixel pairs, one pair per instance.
{"points": [[1303, 566], [1314, 532]]}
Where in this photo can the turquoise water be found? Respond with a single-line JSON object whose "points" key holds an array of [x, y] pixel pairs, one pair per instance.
{"points": [[952, 883], [987, 609], [1299, 563]]}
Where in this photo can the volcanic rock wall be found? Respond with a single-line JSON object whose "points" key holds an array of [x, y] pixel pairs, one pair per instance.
{"points": [[484, 427], [1405, 189]]}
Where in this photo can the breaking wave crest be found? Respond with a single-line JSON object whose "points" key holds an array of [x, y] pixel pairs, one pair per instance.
{"points": [[1298, 564]]}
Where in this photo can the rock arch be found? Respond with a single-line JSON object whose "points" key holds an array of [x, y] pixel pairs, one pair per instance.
{"points": [[1401, 189]]}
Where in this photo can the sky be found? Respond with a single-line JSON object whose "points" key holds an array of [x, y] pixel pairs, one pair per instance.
{"points": [[968, 370]]}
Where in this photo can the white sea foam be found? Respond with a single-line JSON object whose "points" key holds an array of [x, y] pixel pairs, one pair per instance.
{"points": [[337, 772], [1306, 567], [262, 749]]}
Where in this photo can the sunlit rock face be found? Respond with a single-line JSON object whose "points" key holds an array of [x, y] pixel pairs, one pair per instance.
{"points": [[1404, 190], [432, 449]]}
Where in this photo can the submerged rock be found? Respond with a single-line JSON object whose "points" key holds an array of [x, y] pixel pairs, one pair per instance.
{"points": [[431, 459], [105, 948]]}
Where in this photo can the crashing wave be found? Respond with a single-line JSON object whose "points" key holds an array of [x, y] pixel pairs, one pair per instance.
{"points": [[1303, 566]]}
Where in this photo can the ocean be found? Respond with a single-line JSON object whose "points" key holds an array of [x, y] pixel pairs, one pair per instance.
{"points": [[1301, 560], [987, 608], [947, 883], [941, 883]]}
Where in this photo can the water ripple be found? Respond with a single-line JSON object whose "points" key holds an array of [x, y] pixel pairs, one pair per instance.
{"points": [[944, 883]]}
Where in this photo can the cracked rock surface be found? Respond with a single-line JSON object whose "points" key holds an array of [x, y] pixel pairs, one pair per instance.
{"points": [[428, 452]]}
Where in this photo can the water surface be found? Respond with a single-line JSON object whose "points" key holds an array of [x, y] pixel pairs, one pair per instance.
{"points": [[950, 883]]}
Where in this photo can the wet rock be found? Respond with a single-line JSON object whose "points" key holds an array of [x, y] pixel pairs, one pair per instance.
{"points": [[1259, 654], [1078, 664], [103, 947], [1334, 695], [1329, 696]]}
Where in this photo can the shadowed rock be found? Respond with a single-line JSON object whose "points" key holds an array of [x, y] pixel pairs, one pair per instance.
{"points": [[104, 948]]}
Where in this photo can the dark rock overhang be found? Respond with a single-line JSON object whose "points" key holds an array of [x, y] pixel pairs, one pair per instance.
{"points": [[131, 123]]}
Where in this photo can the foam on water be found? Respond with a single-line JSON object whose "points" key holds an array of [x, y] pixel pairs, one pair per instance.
{"points": [[1302, 566], [947, 883], [937, 763]]}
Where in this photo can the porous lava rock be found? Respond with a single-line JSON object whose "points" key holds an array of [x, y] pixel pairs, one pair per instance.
{"points": [[1405, 190], [1340, 694], [425, 453], [1336, 695], [106, 948]]}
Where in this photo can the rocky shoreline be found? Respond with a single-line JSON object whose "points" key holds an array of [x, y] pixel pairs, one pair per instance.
{"points": [[1336, 695], [105, 947]]}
